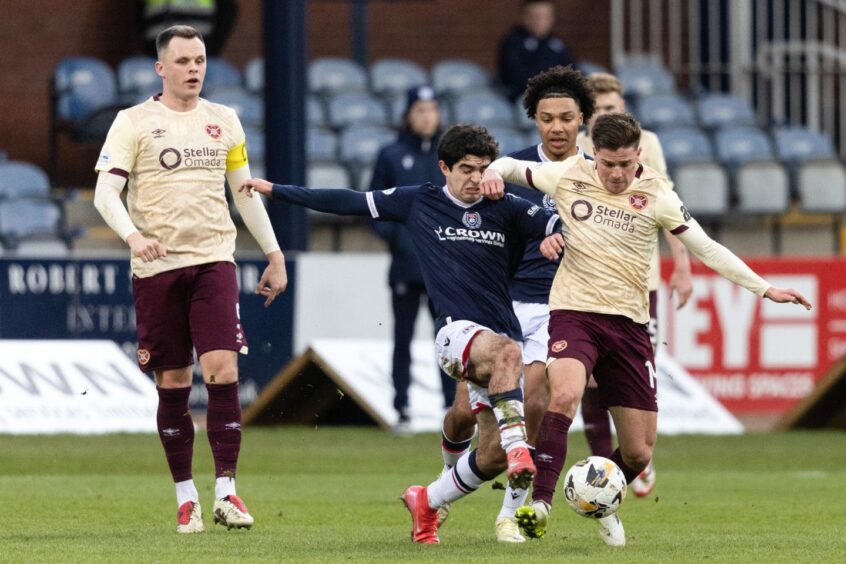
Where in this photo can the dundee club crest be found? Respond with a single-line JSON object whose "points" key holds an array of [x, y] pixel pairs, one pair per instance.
{"points": [[472, 220]]}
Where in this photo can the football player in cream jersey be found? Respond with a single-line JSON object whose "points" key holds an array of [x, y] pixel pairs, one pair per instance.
{"points": [[613, 209], [173, 153]]}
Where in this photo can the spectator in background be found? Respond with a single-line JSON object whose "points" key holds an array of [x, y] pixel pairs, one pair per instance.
{"points": [[531, 48], [411, 159], [214, 19]]}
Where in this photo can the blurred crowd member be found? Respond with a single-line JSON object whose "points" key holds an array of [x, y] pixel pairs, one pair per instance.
{"points": [[531, 48], [214, 19], [411, 159]]}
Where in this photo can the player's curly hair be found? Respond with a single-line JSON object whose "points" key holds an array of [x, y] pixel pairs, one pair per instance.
{"points": [[462, 140], [559, 82]]}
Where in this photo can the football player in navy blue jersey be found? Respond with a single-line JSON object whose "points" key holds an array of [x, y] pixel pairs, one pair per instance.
{"points": [[468, 249]]}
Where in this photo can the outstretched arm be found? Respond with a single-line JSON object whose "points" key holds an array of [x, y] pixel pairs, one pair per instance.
{"points": [[338, 201], [539, 176]]}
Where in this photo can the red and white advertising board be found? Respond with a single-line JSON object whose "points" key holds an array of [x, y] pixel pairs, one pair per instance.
{"points": [[755, 356]]}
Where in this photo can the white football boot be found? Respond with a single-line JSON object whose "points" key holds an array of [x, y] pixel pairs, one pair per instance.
{"points": [[611, 530], [508, 531], [189, 518]]}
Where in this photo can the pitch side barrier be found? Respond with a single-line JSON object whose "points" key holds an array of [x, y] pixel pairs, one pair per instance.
{"points": [[349, 380]]}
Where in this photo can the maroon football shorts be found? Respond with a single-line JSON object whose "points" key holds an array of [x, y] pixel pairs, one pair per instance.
{"points": [[615, 349], [186, 308], [653, 319]]}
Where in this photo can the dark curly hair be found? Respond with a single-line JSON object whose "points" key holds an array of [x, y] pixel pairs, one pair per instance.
{"points": [[462, 140], [559, 82]]}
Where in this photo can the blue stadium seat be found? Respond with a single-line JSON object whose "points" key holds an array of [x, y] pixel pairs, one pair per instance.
{"points": [[762, 187], [356, 107], [822, 186], [719, 110], [82, 85], [522, 120], [685, 144], [737, 145], [664, 110], [249, 107], [454, 76], [483, 108], [334, 75], [321, 144], [137, 76], [589, 67], [255, 145], [42, 246], [254, 75], [220, 74], [21, 179], [360, 144], [327, 175], [509, 139], [315, 113], [28, 217], [797, 144], [645, 79], [703, 187], [391, 76]]}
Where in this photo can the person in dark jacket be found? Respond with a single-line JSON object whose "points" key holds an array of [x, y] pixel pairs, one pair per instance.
{"points": [[411, 159], [531, 48]]}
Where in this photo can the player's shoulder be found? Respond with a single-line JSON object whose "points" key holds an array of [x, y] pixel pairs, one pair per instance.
{"points": [[218, 110], [649, 179], [528, 154]]}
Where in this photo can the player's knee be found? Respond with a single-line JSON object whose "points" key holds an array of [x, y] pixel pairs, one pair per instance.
{"points": [[565, 400], [636, 456], [510, 356]]}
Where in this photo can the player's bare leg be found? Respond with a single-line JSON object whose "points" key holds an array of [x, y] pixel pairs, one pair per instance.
{"points": [[500, 359], [567, 378], [176, 431], [223, 424]]}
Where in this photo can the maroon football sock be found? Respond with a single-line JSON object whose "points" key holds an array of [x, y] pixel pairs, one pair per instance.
{"points": [[223, 425], [628, 471], [597, 423], [550, 452], [176, 430]]}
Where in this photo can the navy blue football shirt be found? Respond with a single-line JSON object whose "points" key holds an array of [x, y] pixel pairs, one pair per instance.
{"points": [[533, 279], [467, 252]]}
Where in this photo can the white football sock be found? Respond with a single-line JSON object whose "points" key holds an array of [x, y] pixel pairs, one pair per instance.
{"points": [[186, 491], [511, 501], [223, 487], [464, 478]]}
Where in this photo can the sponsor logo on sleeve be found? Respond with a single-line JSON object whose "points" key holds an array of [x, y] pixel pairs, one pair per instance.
{"points": [[548, 202]]}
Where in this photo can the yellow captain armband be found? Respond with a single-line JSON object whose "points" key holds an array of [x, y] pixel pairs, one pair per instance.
{"points": [[237, 156]]}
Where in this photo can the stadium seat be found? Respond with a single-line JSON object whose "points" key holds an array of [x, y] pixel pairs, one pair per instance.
{"points": [[334, 75], [360, 144], [42, 246], [356, 107], [82, 85], [392, 76], [664, 110], [396, 110], [454, 76], [321, 144], [483, 108], [521, 119], [254, 75], [736, 145], [685, 144], [27, 217], [21, 179], [822, 186], [703, 187], [221, 74], [762, 187], [315, 112], [249, 107], [136, 77], [589, 67], [365, 175], [327, 175], [645, 79], [724, 110], [797, 144], [509, 139]]}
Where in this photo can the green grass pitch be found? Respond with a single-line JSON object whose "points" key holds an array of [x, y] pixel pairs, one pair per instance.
{"points": [[331, 495]]}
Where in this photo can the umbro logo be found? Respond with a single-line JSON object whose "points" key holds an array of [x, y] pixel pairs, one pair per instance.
{"points": [[232, 426], [158, 133], [543, 457], [170, 432]]}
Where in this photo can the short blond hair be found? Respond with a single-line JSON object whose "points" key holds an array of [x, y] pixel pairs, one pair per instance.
{"points": [[604, 83]]}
